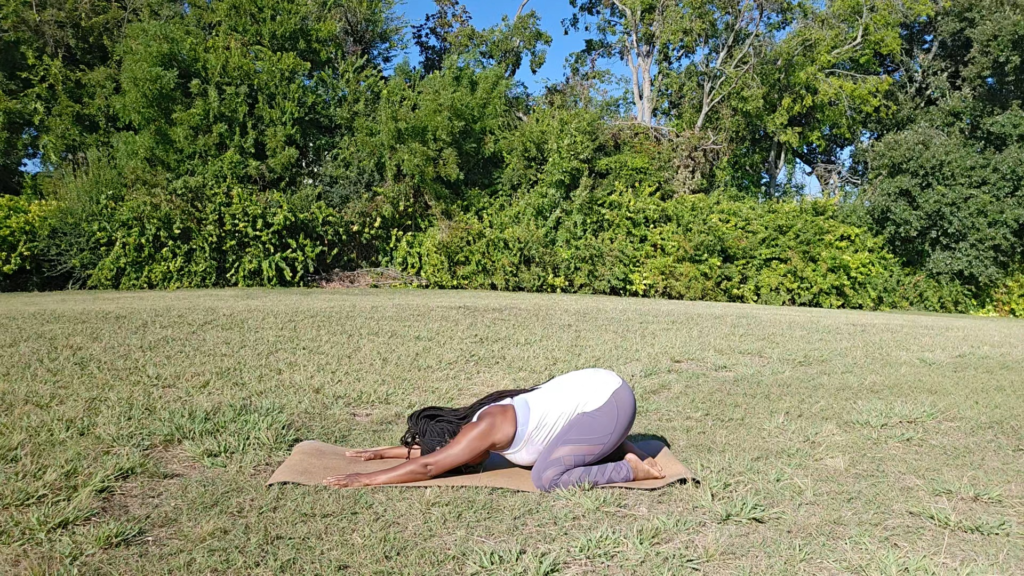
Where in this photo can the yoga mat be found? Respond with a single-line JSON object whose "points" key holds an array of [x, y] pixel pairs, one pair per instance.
{"points": [[312, 462]]}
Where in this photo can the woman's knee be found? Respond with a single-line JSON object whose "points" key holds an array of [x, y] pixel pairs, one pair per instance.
{"points": [[545, 482]]}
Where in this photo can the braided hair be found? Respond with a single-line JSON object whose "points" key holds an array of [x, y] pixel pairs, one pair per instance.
{"points": [[433, 427]]}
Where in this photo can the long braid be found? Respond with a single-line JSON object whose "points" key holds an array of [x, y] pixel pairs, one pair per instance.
{"points": [[433, 427]]}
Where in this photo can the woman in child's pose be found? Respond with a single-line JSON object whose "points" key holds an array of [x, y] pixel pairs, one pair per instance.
{"points": [[561, 428]]}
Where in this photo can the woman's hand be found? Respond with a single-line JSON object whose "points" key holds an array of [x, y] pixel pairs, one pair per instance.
{"points": [[370, 454], [347, 481]]}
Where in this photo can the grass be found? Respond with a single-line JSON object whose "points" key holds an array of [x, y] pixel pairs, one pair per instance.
{"points": [[137, 430]]}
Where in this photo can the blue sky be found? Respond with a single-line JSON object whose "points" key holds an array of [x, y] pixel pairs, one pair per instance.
{"points": [[489, 12]]}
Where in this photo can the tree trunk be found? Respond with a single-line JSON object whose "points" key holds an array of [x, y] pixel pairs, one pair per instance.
{"points": [[648, 93], [640, 58], [776, 162]]}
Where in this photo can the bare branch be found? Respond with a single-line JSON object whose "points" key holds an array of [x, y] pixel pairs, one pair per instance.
{"points": [[836, 71], [720, 72], [645, 125], [520, 11], [860, 34], [656, 131], [626, 11]]}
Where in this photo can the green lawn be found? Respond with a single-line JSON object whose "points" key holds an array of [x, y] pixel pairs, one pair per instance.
{"points": [[138, 428]]}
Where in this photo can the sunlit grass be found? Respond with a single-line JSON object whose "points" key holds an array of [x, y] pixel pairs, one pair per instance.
{"points": [[138, 430]]}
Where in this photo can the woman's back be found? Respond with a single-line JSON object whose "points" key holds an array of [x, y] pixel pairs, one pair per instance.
{"points": [[542, 412]]}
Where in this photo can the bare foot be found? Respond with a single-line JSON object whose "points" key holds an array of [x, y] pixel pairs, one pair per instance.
{"points": [[647, 469]]}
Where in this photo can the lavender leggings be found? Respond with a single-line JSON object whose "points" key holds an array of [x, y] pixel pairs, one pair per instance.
{"points": [[587, 438]]}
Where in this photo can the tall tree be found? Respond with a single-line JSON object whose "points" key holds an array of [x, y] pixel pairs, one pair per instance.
{"points": [[946, 174], [710, 45], [818, 88], [631, 31], [446, 30], [55, 60], [244, 92], [512, 40], [371, 29], [61, 62], [727, 42]]}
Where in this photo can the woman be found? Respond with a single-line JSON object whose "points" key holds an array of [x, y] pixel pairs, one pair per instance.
{"points": [[562, 428]]}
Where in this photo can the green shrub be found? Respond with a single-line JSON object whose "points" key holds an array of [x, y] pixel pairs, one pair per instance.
{"points": [[948, 206], [113, 230], [629, 242], [21, 220], [226, 236], [1008, 298]]}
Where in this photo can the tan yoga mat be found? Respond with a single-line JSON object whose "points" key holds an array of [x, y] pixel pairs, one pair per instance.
{"points": [[312, 462]]}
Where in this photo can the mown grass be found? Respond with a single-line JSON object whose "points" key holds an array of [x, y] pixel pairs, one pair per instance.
{"points": [[137, 431]]}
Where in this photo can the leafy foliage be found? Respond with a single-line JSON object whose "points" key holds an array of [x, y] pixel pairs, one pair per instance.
{"points": [[104, 234], [815, 91], [236, 142], [55, 66], [1008, 299], [442, 32], [226, 237], [945, 185], [448, 34], [947, 209], [629, 242], [21, 220]]}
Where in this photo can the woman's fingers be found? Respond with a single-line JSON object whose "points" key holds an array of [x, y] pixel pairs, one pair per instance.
{"points": [[344, 481], [362, 454]]}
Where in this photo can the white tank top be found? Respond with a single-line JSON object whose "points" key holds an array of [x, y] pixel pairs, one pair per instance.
{"points": [[542, 412]]}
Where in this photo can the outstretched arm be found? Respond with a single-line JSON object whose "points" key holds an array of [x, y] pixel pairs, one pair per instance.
{"points": [[385, 453], [471, 445]]}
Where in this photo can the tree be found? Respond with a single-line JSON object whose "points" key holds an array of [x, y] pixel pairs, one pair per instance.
{"points": [[370, 29], [945, 174], [61, 62], [242, 92], [703, 48], [448, 33], [509, 42], [819, 87], [632, 31], [442, 32], [729, 39], [55, 61]]}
